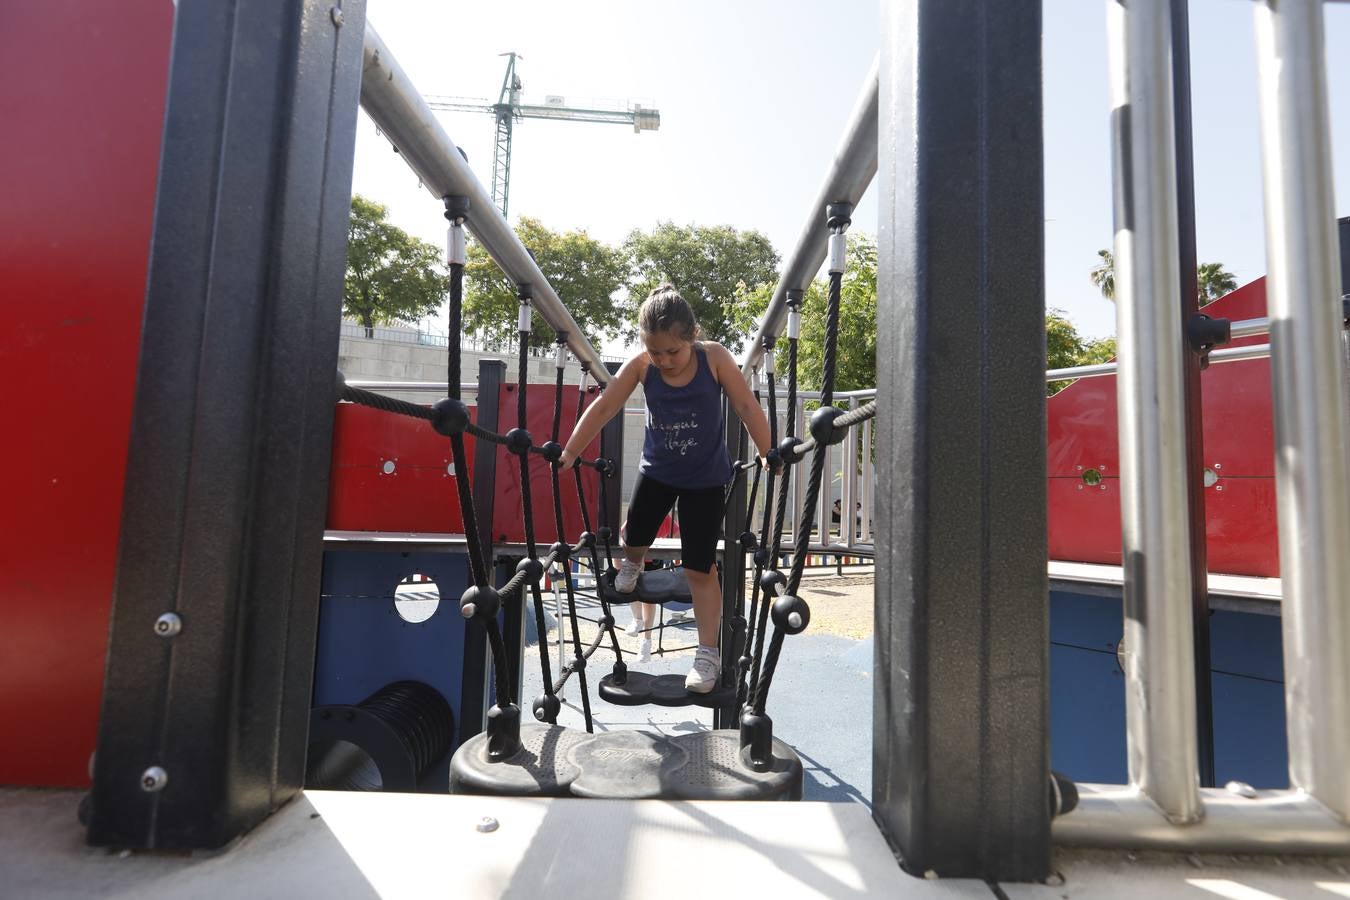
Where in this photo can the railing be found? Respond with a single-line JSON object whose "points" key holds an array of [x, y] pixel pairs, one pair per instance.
{"points": [[1163, 805]]}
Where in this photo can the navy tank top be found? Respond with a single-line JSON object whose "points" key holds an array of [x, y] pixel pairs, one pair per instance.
{"points": [[685, 443]]}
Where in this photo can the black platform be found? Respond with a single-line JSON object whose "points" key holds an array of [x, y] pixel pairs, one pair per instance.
{"points": [[641, 688], [625, 765]]}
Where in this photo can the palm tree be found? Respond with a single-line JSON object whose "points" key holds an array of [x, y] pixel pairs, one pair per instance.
{"points": [[1212, 281], [1103, 275]]}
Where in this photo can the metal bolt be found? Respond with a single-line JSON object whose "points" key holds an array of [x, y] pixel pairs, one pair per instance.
{"points": [[795, 620], [469, 610], [1218, 487], [336, 15], [1241, 788], [1103, 487], [450, 470], [153, 779], [168, 625], [1080, 487], [1079, 468], [487, 824], [539, 714], [388, 467], [1218, 465]]}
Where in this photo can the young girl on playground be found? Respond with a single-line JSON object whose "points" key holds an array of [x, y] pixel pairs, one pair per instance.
{"points": [[684, 457]]}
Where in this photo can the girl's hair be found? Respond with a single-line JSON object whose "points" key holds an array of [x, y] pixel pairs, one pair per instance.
{"points": [[665, 310]]}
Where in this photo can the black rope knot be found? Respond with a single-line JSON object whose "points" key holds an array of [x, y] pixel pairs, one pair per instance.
{"points": [[551, 451], [787, 450], [546, 708], [449, 416], [822, 426], [531, 568], [770, 581], [480, 603], [519, 441], [791, 614], [837, 215], [561, 553], [748, 541]]}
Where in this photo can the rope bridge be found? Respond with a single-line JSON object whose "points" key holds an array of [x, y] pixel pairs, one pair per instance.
{"points": [[542, 758]]}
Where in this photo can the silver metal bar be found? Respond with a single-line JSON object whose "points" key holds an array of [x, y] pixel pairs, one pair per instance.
{"points": [[854, 166], [1263, 822], [398, 108], [1308, 372], [1226, 355], [1159, 656], [1244, 328]]}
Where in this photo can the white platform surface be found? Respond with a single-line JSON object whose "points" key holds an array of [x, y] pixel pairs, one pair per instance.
{"points": [[341, 845]]}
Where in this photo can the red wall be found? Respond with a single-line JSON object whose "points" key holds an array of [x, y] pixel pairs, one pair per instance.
{"points": [[82, 108], [1239, 447]]}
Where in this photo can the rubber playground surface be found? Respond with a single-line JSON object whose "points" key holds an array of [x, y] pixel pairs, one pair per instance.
{"points": [[820, 701]]}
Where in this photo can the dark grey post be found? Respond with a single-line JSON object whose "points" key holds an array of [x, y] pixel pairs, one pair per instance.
{"points": [[960, 738], [211, 653], [473, 696], [733, 567]]}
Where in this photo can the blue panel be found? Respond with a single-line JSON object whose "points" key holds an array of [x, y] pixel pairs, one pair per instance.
{"points": [[1249, 738], [1246, 644], [1084, 620], [364, 644], [1087, 715]]}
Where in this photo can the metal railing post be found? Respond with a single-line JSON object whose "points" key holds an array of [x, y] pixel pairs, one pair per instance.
{"points": [[1308, 372], [1159, 658]]}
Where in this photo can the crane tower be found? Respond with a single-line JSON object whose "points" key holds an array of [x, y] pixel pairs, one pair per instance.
{"points": [[508, 109]]}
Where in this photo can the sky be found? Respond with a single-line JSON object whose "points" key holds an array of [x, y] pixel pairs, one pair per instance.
{"points": [[754, 97]]}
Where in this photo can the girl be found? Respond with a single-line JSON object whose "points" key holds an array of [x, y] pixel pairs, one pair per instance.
{"points": [[684, 455]]}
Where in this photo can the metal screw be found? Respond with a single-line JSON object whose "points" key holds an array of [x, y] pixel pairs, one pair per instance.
{"points": [[469, 610], [795, 620], [1218, 465], [1103, 487], [539, 714], [388, 467], [153, 779], [168, 625], [1218, 487], [487, 824], [336, 15], [450, 470], [1241, 788], [1080, 487]]}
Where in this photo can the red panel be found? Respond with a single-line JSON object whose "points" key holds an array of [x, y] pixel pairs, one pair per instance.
{"points": [[508, 520], [417, 494], [77, 178], [1239, 448]]}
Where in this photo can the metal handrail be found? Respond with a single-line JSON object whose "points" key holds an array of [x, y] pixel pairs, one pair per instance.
{"points": [[395, 105]]}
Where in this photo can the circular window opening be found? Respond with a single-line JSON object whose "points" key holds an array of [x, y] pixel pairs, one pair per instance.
{"points": [[1092, 478], [416, 598]]}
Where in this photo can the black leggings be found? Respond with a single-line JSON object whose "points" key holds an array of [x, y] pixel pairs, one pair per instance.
{"points": [[700, 519]]}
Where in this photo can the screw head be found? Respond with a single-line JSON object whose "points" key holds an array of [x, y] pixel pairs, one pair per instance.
{"points": [[168, 625], [154, 779], [795, 620], [487, 825], [1218, 487], [336, 15]]}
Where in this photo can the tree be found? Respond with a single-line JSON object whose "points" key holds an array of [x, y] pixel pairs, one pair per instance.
{"points": [[707, 264], [391, 275], [1065, 348], [1212, 281], [584, 272], [856, 347], [1103, 274]]}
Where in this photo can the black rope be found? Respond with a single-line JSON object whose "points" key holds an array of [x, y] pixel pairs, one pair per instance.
{"points": [[386, 404], [571, 605], [586, 518]]}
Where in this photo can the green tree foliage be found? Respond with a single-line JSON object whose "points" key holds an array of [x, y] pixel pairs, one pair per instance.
{"points": [[1103, 274], [1065, 347], [856, 349], [391, 275], [584, 272], [1213, 281], [708, 264]]}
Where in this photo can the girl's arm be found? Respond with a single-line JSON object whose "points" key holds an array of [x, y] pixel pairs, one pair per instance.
{"points": [[739, 395], [611, 401]]}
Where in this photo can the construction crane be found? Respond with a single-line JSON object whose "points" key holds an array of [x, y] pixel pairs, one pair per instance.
{"points": [[508, 109]]}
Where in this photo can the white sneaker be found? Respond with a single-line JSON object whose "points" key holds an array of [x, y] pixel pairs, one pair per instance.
{"points": [[707, 667], [644, 654], [634, 628], [626, 580]]}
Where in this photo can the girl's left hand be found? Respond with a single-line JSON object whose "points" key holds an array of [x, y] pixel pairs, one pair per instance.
{"points": [[567, 460]]}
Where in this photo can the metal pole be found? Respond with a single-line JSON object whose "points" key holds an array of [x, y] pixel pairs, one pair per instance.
{"points": [[1308, 371], [1159, 659], [855, 164], [392, 101]]}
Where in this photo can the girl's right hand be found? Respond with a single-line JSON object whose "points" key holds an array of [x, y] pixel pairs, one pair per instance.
{"points": [[567, 460]]}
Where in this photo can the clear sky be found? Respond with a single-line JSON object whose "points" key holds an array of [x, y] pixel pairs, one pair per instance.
{"points": [[754, 96]]}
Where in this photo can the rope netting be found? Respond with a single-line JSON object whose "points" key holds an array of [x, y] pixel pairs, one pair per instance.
{"points": [[774, 595]]}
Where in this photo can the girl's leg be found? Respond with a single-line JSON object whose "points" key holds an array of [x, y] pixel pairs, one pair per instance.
{"points": [[707, 590], [649, 615]]}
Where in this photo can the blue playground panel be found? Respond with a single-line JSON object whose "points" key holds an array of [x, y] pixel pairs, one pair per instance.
{"points": [[364, 644], [1087, 693]]}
